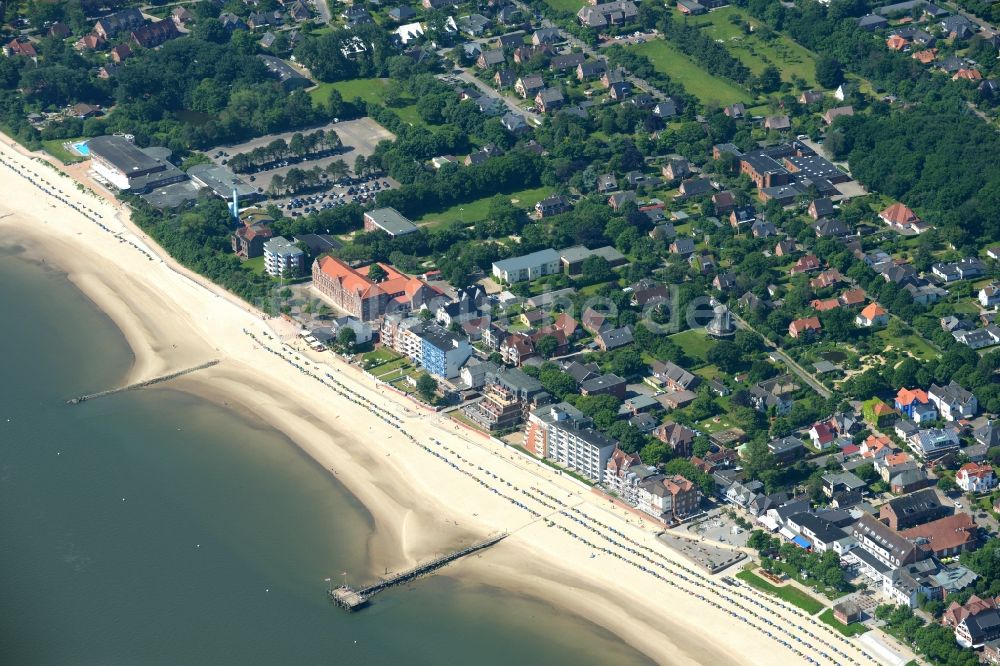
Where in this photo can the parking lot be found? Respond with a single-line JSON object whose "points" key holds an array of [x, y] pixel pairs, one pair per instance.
{"points": [[359, 137]]}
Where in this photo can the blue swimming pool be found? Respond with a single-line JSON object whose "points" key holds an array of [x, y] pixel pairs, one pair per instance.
{"points": [[82, 148]]}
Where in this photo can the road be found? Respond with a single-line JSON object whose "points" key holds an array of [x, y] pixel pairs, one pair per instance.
{"points": [[510, 101], [778, 354], [323, 9]]}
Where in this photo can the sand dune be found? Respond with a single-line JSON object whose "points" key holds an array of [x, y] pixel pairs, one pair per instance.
{"points": [[423, 500]]}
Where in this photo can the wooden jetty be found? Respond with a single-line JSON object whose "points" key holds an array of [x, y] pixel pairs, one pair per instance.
{"points": [[350, 599], [142, 384]]}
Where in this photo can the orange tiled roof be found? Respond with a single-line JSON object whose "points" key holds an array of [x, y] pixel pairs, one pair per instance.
{"points": [[906, 396], [897, 43], [967, 74], [873, 310], [899, 214], [350, 279]]}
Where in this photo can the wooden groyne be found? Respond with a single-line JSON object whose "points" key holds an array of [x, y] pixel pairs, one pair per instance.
{"points": [[350, 599], [142, 384]]}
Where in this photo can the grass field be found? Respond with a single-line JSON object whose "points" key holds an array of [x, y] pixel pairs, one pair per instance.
{"points": [[54, 147], [572, 6], [479, 209], [369, 90], [694, 342], [255, 265], [683, 70], [914, 344], [848, 630], [792, 595], [788, 56]]}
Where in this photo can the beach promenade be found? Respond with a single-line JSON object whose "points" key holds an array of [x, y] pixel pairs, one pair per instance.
{"points": [[427, 486]]}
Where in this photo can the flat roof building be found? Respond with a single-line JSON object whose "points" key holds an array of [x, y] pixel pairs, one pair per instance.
{"points": [[390, 221], [222, 181], [128, 167], [528, 267]]}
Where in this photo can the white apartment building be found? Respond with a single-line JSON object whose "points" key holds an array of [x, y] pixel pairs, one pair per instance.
{"points": [[582, 449], [282, 257]]}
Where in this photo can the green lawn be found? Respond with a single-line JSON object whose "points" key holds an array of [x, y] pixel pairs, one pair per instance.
{"points": [[911, 343], [685, 71], [788, 56], [370, 90], [255, 265], [694, 342], [380, 356], [572, 6], [792, 595], [479, 209], [849, 630], [54, 147]]}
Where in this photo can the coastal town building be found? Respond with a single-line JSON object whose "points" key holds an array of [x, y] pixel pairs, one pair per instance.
{"points": [[283, 258], [356, 294], [119, 162]]}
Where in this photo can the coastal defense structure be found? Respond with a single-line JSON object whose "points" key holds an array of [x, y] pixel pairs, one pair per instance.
{"points": [[142, 384], [351, 600]]}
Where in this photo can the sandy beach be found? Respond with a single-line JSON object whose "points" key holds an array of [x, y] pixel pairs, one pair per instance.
{"points": [[428, 485]]}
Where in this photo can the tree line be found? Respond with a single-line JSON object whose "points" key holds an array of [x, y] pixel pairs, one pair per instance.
{"points": [[299, 146]]}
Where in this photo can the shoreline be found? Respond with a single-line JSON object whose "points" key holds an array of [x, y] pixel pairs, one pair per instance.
{"points": [[419, 507]]}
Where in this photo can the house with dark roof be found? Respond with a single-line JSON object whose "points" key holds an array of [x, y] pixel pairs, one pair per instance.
{"points": [[614, 338], [914, 509]]}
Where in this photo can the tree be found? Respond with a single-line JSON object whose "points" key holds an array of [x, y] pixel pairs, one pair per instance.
{"points": [[770, 79], [427, 387], [546, 345], [829, 72], [947, 484], [726, 355], [337, 169], [346, 337], [360, 166], [376, 273]]}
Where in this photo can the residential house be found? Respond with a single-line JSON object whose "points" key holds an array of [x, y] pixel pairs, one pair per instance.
{"points": [[975, 478], [916, 405], [843, 488], [624, 473], [674, 377], [900, 216], [934, 443], [872, 316], [669, 499], [549, 99], [966, 269], [877, 413], [491, 58], [615, 338], [953, 401], [694, 187], [552, 205], [837, 112], [786, 449], [775, 393], [805, 264], [611, 13], [777, 123], [804, 326], [590, 69], [678, 437], [676, 169]]}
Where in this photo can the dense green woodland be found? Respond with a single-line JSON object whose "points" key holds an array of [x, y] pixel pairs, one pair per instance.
{"points": [[942, 161]]}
